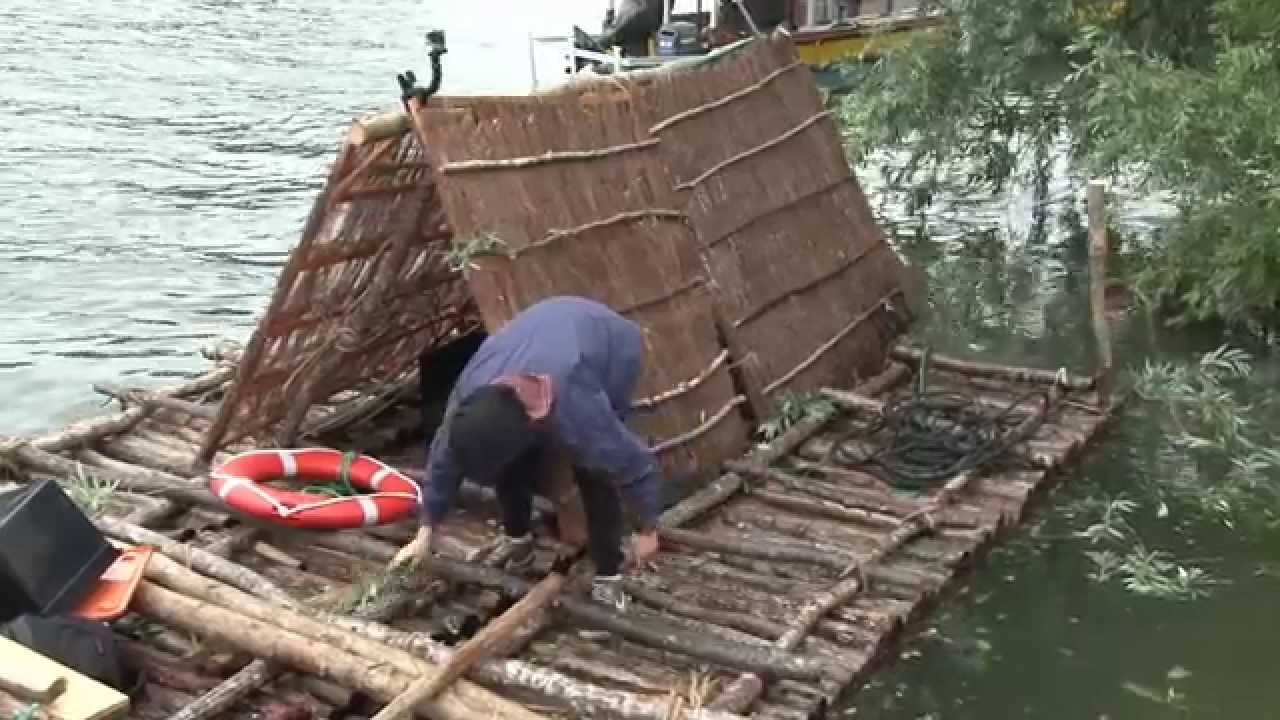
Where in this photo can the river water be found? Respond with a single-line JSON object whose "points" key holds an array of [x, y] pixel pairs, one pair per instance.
{"points": [[157, 160]]}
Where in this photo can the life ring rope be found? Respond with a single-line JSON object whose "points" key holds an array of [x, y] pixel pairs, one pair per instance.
{"points": [[238, 482]]}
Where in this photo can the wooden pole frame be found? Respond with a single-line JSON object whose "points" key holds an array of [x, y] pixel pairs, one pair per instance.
{"points": [[1098, 250]]}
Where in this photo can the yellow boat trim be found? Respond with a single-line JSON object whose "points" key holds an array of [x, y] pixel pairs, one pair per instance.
{"points": [[824, 51]]}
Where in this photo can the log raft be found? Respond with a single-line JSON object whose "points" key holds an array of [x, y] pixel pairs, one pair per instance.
{"points": [[781, 581]]}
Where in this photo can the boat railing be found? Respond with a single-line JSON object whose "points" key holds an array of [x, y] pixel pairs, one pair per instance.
{"points": [[571, 59]]}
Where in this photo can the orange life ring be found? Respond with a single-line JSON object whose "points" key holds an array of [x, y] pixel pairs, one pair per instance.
{"points": [[238, 482]]}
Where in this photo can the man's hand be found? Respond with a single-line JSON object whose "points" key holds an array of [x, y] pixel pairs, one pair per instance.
{"points": [[411, 555], [644, 546]]}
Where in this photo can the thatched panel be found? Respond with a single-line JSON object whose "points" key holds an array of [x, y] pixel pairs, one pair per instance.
{"points": [[364, 292], [566, 196], [790, 240]]}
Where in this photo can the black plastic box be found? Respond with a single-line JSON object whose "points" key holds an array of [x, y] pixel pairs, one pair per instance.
{"points": [[51, 554]]}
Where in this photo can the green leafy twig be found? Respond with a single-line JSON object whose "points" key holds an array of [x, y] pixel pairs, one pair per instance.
{"points": [[791, 408], [461, 256]]}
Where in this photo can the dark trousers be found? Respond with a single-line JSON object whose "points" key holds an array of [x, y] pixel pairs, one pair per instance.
{"points": [[600, 502]]}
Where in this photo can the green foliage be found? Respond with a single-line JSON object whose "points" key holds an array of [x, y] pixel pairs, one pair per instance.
{"points": [[1218, 460], [1174, 95], [370, 589], [92, 494], [792, 408], [1213, 433], [462, 255], [1124, 557]]}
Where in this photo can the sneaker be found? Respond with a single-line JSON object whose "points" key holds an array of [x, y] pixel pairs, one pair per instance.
{"points": [[607, 589], [514, 554]]}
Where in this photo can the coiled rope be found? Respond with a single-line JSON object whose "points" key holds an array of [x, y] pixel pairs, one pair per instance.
{"points": [[930, 437]]}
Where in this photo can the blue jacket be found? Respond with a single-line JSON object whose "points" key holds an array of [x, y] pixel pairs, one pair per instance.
{"points": [[593, 356]]}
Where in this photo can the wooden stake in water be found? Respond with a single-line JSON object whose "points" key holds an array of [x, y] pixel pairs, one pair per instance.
{"points": [[1098, 248]]}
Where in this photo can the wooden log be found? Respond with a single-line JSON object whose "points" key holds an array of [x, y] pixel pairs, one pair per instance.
{"points": [[711, 496], [1010, 373], [166, 572], [289, 705], [1098, 248], [170, 441], [752, 624], [173, 424], [778, 571], [231, 573], [475, 649], [163, 701], [759, 548], [717, 569], [713, 592], [823, 508], [141, 481], [237, 540], [587, 699], [875, 502], [771, 711], [154, 511], [564, 654], [378, 126], [381, 681], [942, 548], [229, 692], [316, 590], [276, 555], [144, 397], [144, 453], [636, 626], [259, 672], [325, 691], [817, 530], [748, 686], [164, 668], [852, 479]]}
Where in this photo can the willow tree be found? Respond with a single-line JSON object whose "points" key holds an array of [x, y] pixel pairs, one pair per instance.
{"points": [[1176, 94]]}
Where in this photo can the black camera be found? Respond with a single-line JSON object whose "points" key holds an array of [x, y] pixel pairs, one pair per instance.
{"points": [[435, 41]]}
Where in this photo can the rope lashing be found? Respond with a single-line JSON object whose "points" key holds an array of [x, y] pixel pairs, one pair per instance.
{"points": [[342, 486]]}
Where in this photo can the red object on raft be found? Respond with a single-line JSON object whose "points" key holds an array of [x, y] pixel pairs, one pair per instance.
{"points": [[238, 483]]}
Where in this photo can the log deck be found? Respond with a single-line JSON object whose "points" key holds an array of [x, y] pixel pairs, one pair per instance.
{"points": [[780, 583]]}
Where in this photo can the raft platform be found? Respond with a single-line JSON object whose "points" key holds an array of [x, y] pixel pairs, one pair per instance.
{"points": [[787, 570]]}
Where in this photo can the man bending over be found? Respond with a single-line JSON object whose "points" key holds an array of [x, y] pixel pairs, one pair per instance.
{"points": [[560, 376]]}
